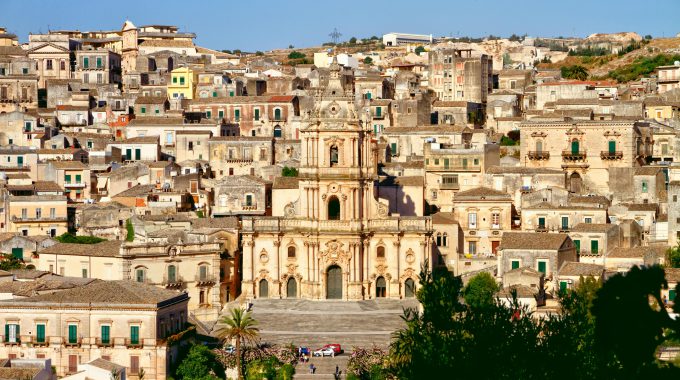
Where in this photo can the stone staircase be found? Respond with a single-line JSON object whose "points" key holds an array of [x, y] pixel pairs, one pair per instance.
{"points": [[316, 323], [325, 368]]}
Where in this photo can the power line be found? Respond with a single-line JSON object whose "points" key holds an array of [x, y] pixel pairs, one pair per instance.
{"points": [[335, 35]]}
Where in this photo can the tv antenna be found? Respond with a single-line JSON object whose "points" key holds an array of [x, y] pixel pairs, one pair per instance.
{"points": [[335, 35]]}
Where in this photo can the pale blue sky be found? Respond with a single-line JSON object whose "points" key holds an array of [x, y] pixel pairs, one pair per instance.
{"points": [[267, 24]]}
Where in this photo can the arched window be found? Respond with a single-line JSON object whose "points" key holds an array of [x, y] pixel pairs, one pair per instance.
{"points": [[172, 273], [574, 146], [140, 274], [333, 208], [291, 251], [334, 155], [277, 114], [381, 252], [612, 146], [539, 146], [445, 242], [380, 287], [278, 132], [203, 272], [439, 239]]}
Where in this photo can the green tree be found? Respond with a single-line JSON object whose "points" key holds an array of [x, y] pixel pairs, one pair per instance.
{"points": [[200, 364], [673, 258], [480, 290], [9, 262], [291, 46], [368, 60], [352, 40], [574, 72], [259, 53], [419, 49], [296, 55], [289, 172], [70, 238], [241, 327], [130, 230]]}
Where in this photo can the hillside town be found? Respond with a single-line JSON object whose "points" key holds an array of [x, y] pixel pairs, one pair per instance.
{"points": [[150, 187]]}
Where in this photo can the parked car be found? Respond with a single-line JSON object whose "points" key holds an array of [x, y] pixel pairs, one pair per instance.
{"points": [[336, 348], [324, 352]]}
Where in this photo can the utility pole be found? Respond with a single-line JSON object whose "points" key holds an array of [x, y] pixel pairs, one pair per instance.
{"points": [[335, 36]]}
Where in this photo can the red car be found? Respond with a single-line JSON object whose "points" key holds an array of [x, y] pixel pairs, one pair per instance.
{"points": [[336, 348]]}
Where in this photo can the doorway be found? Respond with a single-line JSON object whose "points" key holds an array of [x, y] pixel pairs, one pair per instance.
{"points": [[334, 283]]}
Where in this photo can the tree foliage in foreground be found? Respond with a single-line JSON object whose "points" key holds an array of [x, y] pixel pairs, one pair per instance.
{"points": [[200, 364], [608, 331]]}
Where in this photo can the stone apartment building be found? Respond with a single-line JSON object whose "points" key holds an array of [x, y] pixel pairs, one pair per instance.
{"points": [[120, 321], [460, 75], [240, 155], [18, 80], [51, 55], [98, 66], [584, 150], [668, 78], [545, 253]]}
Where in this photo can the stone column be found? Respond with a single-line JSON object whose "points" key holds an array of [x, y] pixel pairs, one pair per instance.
{"points": [[277, 280], [367, 284], [397, 288], [248, 263]]}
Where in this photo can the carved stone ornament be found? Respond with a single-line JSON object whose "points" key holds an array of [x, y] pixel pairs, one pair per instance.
{"points": [[334, 253], [290, 210], [173, 251], [264, 257], [410, 256], [381, 209]]}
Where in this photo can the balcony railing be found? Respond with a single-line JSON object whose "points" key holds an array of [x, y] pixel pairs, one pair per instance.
{"points": [[74, 184], [205, 280], [101, 343], [526, 189], [15, 343], [608, 155], [44, 342], [568, 155], [541, 229], [73, 343], [133, 342], [27, 219], [449, 186], [540, 156], [174, 283]]}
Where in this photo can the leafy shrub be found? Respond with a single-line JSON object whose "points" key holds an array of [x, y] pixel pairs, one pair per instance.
{"points": [[289, 172], [296, 55], [69, 238]]}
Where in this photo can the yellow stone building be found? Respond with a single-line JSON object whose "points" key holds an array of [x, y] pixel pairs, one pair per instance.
{"points": [[182, 84]]}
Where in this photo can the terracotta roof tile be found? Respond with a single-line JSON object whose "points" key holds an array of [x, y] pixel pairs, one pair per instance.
{"points": [[532, 240]]}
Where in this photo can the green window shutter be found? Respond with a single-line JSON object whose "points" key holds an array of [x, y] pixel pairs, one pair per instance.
{"points": [[220, 114], [465, 162], [237, 115], [541, 222], [231, 93], [174, 79], [612, 146], [594, 249], [18, 253], [181, 80], [378, 111], [368, 95], [27, 126], [563, 286], [515, 264], [158, 111], [99, 62], [67, 178], [134, 334], [143, 109], [106, 334], [128, 154], [138, 154], [446, 163], [79, 178], [72, 334], [257, 114], [6, 333], [644, 186], [393, 146], [86, 62], [671, 294], [208, 114], [574, 147], [542, 267], [577, 244], [40, 333], [214, 94], [565, 222]]}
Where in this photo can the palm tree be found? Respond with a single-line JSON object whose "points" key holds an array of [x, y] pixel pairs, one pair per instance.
{"points": [[240, 325]]}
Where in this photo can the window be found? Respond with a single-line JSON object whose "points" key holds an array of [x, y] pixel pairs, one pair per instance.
{"points": [[134, 365], [181, 80], [106, 334], [143, 110], [214, 94], [445, 239], [134, 334], [84, 273], [174, 79], [208, 114], [612, 146], [62, 65], [380, 252], [220, 114], [48, 64], [172, 274], [541, 222], [334, 155], [40, 333], [472, 220], [73, 334], [644, 186], [24, 213], [277, 114], [237, 114], [495, 220], [140, 275], [542, 267], [594, 247], [100, 78], [378, 111], [86, 78], [577, 244], [472, 247], [565, 223], [38, 213], [393, 149], [24, 70], [291, 252], [588, 220], [249, 200], [79, 178], [12, 333]]}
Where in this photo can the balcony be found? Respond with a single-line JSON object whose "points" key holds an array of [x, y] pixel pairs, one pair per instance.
{"points": [[173, 283], [607, 155], [17, 342], [133, 343], [568, 155], [378, 116], [205, 280], [526, 189], [101, 343], [26, 219], [279, 119], [42, 343], [73, 343], [74, 184], [541, 229], [449, 186], [539, 156]]}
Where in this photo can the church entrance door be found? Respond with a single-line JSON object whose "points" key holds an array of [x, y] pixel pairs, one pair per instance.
{"points": [[334, 283]]}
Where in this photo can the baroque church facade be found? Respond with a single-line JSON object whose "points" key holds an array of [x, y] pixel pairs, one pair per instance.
{"points": [[330, 237]]}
